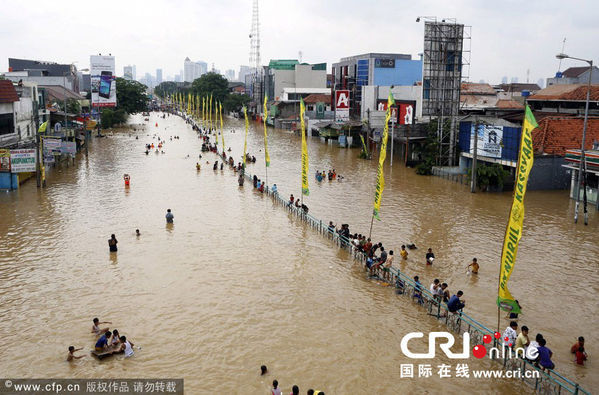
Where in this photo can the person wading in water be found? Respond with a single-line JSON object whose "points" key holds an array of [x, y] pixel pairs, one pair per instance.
{"points": [[112, 243]]}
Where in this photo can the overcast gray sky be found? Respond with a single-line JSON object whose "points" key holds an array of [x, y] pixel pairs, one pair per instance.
{"points": [[508, 37]]}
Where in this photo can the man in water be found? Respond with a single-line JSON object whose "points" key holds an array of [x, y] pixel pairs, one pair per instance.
{"points": [[112, 242], [72, 355], [102, 343], [430, 257], [137, 233], [169, 216], [96, 328], [474, 266], [403, 253], [126, 346]]}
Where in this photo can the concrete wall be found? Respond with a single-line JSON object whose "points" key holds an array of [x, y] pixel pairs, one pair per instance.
{"points": [[305, 77], [25, 125], [282, 79]]}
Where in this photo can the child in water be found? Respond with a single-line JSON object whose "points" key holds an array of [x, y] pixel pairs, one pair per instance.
{"points": [[72, 355]]}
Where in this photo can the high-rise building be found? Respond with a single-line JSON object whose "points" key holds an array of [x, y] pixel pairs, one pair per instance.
{"points": [[193, 70], [128, 72], [230, 75], [134, 73], [243, 71], [158, 76], [504, 80], [514, 80]]}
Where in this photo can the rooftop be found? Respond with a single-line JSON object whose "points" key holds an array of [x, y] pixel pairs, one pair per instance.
{"points": [[519, 87], [59, 92], [8, 93], [574, 72], [469, 88], [317, 98], [555, 135], [374, 55], [566, 92]]}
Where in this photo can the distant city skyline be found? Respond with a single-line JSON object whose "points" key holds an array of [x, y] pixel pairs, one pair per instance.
{"points": [[505, 41]]}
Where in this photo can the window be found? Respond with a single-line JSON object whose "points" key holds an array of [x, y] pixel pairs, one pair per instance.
{"points": [[28, 131], [6, 124]]}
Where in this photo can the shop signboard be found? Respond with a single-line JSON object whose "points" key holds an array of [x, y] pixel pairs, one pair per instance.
{"points": [[490, 140], [342, 105], [22, 160], [68, 147], [4, 160]]}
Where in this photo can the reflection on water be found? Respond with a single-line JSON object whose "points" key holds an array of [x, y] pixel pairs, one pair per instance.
{"points": [[238, 282]]}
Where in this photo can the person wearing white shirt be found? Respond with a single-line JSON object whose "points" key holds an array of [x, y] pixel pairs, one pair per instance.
{"points": [[511, 334]]}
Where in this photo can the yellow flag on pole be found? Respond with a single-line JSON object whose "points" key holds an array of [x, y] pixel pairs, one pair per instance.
{"points": [[380, 178], [513, 231], [305, 188], [222, 131], [245, 142], [266, 155]]}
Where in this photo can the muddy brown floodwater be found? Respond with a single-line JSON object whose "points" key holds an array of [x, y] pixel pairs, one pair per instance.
{"points": [[238, 282]]}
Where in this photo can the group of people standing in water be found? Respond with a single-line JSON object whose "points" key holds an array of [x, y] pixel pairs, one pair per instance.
{"points": [[331, 175]]}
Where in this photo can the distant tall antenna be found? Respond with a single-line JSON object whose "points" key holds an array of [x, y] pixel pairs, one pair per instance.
{"points": [[559, 68], [255, 38], [527, 75], [299, 55]]}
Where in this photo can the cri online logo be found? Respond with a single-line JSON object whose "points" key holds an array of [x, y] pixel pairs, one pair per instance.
{"points": [[479, 351]]}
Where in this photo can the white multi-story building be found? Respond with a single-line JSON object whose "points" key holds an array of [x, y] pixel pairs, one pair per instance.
{"points": [[230, 75], [158, 76], [128, 72], [193, 70]]}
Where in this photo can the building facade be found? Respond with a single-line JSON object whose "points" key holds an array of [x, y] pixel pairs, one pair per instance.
{"points": [[382, 69], [193, 70], [575, 75], [128, 73], [158, 76]]}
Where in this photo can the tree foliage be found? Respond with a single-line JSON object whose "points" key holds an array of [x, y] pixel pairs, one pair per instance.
{"points": [[235, 102], [428, 151], [489, 176], [110, 117], [211, 84], [131, 96]]}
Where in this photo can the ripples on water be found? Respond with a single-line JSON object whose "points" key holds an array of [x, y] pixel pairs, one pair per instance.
{"points": [[238, 282]]}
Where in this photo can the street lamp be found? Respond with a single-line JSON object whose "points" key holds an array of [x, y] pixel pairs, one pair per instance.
{"points": [[584, 135]]}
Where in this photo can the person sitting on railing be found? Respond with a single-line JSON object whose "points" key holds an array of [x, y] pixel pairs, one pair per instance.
{"points": [[380, 261], [455, 304], [274, 189], [434, 288], [387, 266], [305, 208], [291, 198], [510, 334], [417, 290], [298, 203], [545, 355]]}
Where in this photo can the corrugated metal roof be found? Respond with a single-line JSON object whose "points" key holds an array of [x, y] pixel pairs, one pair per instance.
{"points": [[477, 89], [59, 92], [317, 98], [8, 93]]}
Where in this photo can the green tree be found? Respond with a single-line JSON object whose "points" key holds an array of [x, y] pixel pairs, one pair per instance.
{"points": [[490, 176], [131, 96], [211, 83], [166, 88], [73, 106], [235, 102]]}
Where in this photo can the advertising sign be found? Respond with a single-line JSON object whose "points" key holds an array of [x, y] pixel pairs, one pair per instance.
{"points": [[22, 160], [342, 105], [407, 110], [490, 140], [52, 145], [68, 147], [103, 81], [4, 160], [384, 63]]}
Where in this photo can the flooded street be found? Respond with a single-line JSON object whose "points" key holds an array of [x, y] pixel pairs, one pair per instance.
{"points": [[238, 282]]}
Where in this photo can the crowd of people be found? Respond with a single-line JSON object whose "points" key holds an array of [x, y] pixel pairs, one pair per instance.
{"points": [[107, 342], [332, 175]]}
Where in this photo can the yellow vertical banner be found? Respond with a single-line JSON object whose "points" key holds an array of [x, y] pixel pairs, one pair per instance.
{"points": [[204, 111], [266, 155], [380, 178], [305, 188], [245, 141], [222, 131], [513, 231], [210, 111]]}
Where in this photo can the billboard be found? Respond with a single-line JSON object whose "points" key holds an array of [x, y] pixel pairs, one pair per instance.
{"points": [[4, 160], [103, 81], [22, 160], [407, 110], [342, 105], [490, 140]]}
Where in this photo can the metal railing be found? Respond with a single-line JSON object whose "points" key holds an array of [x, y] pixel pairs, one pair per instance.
{"points": [[549, 382]]}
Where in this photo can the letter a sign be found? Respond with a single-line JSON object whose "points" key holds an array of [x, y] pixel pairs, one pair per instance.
{"points": [[342, 105]]}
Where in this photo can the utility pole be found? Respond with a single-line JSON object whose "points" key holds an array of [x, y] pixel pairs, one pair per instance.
{"points": [[474, 157], [392, 135]]}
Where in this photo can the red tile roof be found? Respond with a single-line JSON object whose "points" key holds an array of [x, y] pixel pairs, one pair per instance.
{"points": [[477, 89], [504, 103], [555, 135], [8, 93], [566, 92], [317, 98]]}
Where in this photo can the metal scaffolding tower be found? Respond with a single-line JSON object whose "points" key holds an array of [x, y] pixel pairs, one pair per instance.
{"points": [[445, 59], [256, 90]]}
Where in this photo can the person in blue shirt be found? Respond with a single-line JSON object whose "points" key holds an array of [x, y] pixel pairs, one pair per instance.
{"points": [[274, 189], [417, 290], [169, 216], [455, 303], [102, 342], [545, 355]]}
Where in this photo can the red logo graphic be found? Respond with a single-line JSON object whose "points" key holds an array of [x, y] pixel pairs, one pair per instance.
{"points": [[479, 351]]}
